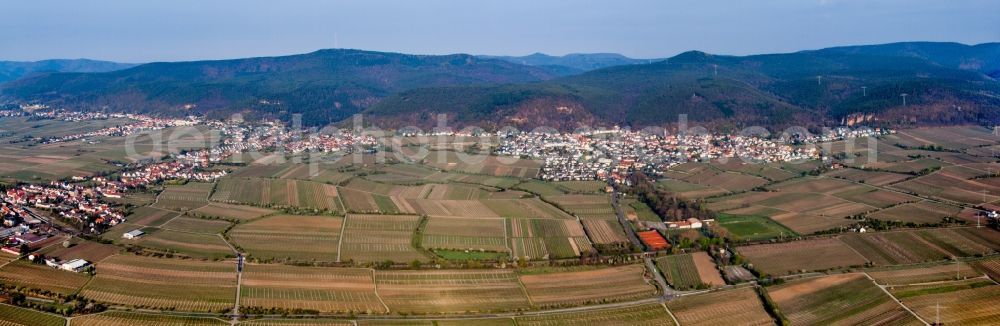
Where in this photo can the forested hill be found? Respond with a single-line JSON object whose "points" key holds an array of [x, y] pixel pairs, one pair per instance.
{"points": [[12, 70], [944, 83], [324, 86]]}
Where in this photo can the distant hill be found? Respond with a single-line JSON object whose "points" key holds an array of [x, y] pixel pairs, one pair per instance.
{"points": [[323, 86], [573, 63], [11, 70], [945, 83], [775, 90]]}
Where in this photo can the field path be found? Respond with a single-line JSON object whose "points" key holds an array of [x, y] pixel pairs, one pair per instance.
{"points": [[340, 239], [900, 303], [375, 282], [239, 284]]}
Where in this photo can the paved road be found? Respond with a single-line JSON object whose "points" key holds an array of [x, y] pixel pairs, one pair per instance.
{"points": [[624, 221], [667, 291]]}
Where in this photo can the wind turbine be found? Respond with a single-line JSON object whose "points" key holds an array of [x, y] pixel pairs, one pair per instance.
{"points": [[904, 95], [864, 90], [819, 80], [716, 69]]}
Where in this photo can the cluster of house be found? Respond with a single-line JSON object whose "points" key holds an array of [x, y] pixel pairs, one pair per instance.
{"points": [[81, 201], [156, 172], [239, 137], [613, 153], [141, 123]]}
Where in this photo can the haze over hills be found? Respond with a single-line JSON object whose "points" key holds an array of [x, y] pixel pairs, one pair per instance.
{"points": [[945, 83], [572, 63], [11, 70]]}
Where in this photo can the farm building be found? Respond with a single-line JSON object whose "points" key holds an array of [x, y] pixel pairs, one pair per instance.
{"points": [[691, 223], [133, 234], [75, 265], [653, 240]]}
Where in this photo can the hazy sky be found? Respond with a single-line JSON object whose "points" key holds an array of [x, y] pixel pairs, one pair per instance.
{"points": [[160, 30]]}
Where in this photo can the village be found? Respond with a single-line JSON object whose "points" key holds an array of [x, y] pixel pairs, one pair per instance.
{"points": [[603, 154]]}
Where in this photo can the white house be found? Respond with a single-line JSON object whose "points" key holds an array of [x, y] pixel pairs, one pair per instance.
{"points": [[133, 234], [75, 265]]}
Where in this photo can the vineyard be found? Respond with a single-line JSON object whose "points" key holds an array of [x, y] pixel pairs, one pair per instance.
{"points": [[163, 283], [602, 285], [795, 257], [321, 289], [844, 299], [114, 318], [14, 316], [451, 291], [914, 275], [966, 302], [689, 271], [376, 238], [41, 277], [282, 237], [740, 306], [184, 198], [642, 315]]}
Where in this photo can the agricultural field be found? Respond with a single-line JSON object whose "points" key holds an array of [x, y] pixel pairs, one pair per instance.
{"points": [[794, 257], [451, 291], [957, 137], [907, 247], [187, 197], [560, 288], [150, 216], [919, 212], [165, 283], [922, 274], [642, 315], [637, 210], [771, 171], [227, 211], [844, 299], [483, 234], [376, 238], [740, 306], [80, 249], [15, 316], [277, 193], [524, 208], [547, 238], [958, 184], [585, 206], [483, 164], [955, 303], [283, 237], [323, 289], [198, 245], [41, 277], [110, 318], [802, 205], [989, 266], [699, 180], [690, 271], [298, 322], [748, 227], [605, 231], [875, 178], [196, 225]]}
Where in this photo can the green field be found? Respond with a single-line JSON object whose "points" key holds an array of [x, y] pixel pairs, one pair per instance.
{"points": [[747, 227]]}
